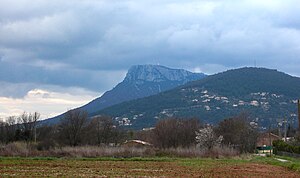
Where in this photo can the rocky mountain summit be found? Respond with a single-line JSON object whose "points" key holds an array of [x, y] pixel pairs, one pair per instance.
{"points": [[140, 81], [158, 73]]}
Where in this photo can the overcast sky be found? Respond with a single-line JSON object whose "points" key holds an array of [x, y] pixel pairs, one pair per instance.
{"points": [[56, 55]]}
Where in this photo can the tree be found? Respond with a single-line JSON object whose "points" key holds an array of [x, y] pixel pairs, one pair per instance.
{"points": [[238, 133], [10, 129], [71, 126], [144, 135], [102, 130], [46, 137], [175, 132], [2, 132], [28, 122], [207, 139]]}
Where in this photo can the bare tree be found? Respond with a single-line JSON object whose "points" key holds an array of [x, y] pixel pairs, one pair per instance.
{"points": [[102, 131], [145, 135], [46, 137], [28, 122], [2, 132], [238, 133], [71, 126], [10, 129], [175, 132]]}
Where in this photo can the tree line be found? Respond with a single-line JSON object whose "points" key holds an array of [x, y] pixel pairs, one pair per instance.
{"points": [[235, 132], [75, 129], [22, 128]]}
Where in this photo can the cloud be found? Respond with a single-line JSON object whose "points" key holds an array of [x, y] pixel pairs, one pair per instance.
{"points": [[97, 35], [48, 103], [90, 44], [44, 73]]}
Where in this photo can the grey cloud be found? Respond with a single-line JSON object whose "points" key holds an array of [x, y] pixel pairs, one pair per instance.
{"points": [[90, 44], [15, 90], [93, 80]]}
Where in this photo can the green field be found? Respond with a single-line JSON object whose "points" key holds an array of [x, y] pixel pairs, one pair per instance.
{"points": [[149, 167]]}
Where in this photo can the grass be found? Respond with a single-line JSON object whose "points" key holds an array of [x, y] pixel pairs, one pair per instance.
{"points": [[150, 167], [292, 164]]}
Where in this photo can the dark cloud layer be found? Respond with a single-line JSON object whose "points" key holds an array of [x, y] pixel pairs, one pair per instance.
{"points": [[90, 44]]}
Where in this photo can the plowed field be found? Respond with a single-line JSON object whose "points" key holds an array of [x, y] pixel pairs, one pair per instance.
{"points": [[140, 168]]}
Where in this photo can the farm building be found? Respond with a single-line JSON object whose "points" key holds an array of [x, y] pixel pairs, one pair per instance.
{"points": [[264, 142], [136, 143]]}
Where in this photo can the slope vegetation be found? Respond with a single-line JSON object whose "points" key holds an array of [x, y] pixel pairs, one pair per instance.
{"points": [[267, 95]]}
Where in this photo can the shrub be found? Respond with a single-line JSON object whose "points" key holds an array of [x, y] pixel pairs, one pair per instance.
{"points": [[94, 151], [194, 152], [23, 150], [18, 149], [280, 145]]}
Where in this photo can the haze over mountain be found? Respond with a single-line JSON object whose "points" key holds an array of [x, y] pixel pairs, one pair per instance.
{"points": [[267, 95], [140, 81]]}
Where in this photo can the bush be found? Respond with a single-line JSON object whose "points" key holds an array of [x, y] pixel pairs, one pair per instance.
{"points": [[18, 149], [24, 150], [194, 152], [94, 151], [280, 145]]}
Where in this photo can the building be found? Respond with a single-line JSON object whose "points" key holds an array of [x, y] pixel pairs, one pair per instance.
{"points": [[136, 143], [264, 142]]}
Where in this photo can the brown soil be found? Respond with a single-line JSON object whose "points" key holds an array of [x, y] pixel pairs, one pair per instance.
{"points": [[253, 170], [76, 168]]}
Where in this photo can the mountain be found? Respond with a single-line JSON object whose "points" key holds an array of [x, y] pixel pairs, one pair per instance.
{"points": [[267, 95], [140, 81]]}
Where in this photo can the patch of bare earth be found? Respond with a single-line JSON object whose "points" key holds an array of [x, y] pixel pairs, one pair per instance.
{"points": [[253, 170], [80, 168]]}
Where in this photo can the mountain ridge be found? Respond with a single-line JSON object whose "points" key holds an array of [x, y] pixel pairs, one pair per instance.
{"points": [[265, 93], [141, 81]]}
